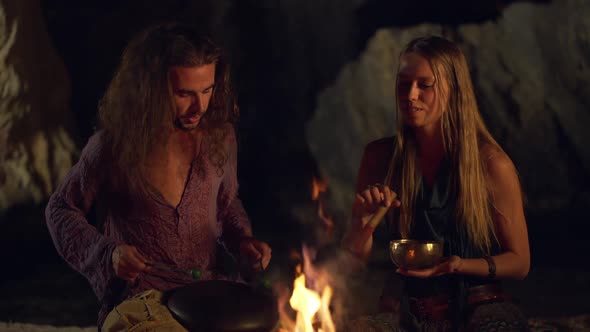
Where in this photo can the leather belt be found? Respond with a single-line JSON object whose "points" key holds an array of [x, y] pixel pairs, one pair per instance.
{"points": [[436, 308], [487, 292]]}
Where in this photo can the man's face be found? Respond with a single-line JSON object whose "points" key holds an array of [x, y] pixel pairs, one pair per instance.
{"points": [[192, 88]]}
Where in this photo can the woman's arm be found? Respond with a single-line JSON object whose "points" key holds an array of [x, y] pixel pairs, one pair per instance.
{"points": [[369, 196], [509, 220], [510, 224]]}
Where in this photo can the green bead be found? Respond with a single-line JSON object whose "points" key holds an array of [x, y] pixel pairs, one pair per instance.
{"points": [[265, 283], [196, 274]]}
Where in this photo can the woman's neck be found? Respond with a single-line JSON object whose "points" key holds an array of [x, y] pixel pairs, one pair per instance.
{"points": [[430, 153], [430, 144]]}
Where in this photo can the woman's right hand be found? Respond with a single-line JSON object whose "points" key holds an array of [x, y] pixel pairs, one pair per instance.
{"points": [[359, 239], [369, 200], [128, 262]]}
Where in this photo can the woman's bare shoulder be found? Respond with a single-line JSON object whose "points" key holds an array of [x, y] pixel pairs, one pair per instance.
{"points": [[498, 164], [384, 144]]}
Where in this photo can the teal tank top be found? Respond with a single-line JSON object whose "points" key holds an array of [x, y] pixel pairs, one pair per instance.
{"points": [[435, 219]]}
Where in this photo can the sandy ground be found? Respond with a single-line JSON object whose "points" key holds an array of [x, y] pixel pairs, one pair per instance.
{"points": [[577, 323], [23, 327], [555, 299]]}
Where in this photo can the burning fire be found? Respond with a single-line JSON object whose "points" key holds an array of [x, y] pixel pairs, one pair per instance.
{"points": [[312, 305], [319, 186], [307, 302]]}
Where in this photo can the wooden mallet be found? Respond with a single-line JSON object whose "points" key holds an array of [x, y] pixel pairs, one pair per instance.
{"points": [[357, 245]]}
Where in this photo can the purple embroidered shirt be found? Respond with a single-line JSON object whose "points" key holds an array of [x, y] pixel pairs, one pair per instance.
{"points": [[185, 236]]}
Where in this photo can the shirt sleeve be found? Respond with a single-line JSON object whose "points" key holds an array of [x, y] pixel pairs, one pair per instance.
{"points": [[80, 244], [235, 222]]}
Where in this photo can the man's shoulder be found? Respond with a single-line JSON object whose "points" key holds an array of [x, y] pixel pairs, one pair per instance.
{"points": [[221, 137], [225, 132], [96, 147], [97, 140]]}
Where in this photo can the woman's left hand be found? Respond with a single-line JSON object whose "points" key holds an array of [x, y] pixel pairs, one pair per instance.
{"points": [[449, 265]]}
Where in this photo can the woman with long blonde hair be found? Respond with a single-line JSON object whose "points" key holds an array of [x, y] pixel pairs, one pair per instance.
{"points": [[445, 179]]}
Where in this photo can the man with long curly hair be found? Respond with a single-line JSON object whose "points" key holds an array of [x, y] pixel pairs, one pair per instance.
{"points": [[161, 174]]}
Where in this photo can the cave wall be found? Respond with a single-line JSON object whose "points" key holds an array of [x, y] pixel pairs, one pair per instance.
{"points": [[36, 146], [314, 83], [531, 73]]}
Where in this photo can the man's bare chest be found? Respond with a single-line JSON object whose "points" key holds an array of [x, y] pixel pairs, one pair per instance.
{"points": [[170, 168], [169, 176]]}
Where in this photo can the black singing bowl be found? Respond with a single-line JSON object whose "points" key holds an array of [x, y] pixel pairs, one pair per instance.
{"points": [[223, 306]]}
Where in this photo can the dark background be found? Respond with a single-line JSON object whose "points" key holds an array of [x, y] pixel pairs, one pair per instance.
{"points": [[277, 79]]}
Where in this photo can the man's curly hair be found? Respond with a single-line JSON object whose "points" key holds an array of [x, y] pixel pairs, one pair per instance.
{"points": [[137, 111]]}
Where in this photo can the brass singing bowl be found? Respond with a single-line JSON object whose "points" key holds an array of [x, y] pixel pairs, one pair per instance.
{"points": [[415, 254]]}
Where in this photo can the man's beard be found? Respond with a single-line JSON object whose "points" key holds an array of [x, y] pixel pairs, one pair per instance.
{"points": [[178, 124]]}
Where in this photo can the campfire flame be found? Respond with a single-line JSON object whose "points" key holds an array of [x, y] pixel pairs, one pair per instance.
{"points": [[312, 305], [319, 186], [324, 313], [307, 302]]}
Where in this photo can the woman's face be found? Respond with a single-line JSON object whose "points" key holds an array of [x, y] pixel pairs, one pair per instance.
{"points": [[417, 95]]}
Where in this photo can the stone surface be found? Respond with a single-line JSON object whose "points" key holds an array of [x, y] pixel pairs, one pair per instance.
{"points": [[532, 77], [36, 147], [574, 323], [24, 327]]}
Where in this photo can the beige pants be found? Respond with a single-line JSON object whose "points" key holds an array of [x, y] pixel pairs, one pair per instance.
{"points": [[142, 313]]}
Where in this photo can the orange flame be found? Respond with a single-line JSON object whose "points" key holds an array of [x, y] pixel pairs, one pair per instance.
{"points": [[307, 302], [312, 307], [319, 186], [324, 312]]}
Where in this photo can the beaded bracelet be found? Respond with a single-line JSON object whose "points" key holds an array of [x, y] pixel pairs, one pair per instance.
{"points": [[491, 267]]}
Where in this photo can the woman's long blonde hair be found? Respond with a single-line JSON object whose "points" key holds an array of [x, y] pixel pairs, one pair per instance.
{"points": [[137, 110], [466, 140]]}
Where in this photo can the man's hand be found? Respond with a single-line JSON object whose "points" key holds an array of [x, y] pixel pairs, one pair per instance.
{"points": [[128, 262], [448, 266], [255, 254]]}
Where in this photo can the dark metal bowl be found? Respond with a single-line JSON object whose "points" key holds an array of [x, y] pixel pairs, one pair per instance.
{"points": [[223, 306], [415, 254]]}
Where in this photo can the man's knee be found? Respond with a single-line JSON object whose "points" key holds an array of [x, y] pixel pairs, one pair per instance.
{"points": [[143, 312]]}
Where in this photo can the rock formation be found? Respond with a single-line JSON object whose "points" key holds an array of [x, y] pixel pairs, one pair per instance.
{"points": [[36, 148], [531, 72]]}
